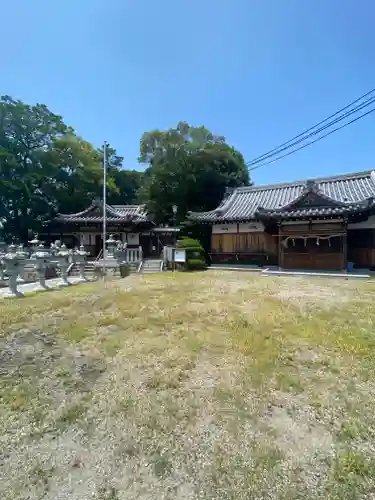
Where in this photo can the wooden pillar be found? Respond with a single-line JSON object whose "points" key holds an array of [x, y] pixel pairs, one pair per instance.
{"points": [[280, 249], [345, 245]]}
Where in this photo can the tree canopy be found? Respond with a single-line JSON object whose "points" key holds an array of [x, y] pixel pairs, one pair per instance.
{"points": [[46, 168], [189, 167]]}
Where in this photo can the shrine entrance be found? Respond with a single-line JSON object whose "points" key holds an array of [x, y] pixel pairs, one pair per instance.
{"points": [[313, 251]]}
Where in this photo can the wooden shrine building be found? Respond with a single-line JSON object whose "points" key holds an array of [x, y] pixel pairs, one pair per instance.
{"points": [[323, 223], [127, 223]]}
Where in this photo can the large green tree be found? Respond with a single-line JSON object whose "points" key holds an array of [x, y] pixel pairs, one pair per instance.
{"points": [[27, 135], [188, 167], [46, 168]]}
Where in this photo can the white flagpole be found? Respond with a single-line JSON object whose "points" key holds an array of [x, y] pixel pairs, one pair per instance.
{"points": [[104, 203]]}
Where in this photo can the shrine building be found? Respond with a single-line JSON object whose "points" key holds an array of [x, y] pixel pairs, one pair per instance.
{"points": [[324, 223]]}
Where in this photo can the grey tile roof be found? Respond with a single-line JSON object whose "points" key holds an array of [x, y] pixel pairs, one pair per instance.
{"points": [[115, 213], [244, 202], [313, 211]]}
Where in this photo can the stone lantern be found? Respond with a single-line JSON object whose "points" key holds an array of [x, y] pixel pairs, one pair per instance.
{"points": [[62, 257], [41, 259], [35, 242], [3, 248], [2, 265], [120, 252], [23, 255], [13, 262], [80, 257], [111, 245]]}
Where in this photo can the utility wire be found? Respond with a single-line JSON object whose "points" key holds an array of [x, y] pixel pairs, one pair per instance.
{"points": [[365, 104], [311, 128], [312, 142]]}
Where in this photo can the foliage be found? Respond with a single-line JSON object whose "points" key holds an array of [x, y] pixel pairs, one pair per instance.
{"points": [[188, 167], [46, 168], [188, 243], [196, 264], [200, 232], [195, 256]]}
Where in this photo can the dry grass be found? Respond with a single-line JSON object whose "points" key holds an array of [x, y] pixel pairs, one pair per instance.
{"points": [[216, 385]]}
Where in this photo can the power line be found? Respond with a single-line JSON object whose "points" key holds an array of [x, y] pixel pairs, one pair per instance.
{"points": [[312, 142], [311, 128], [365, 104]]}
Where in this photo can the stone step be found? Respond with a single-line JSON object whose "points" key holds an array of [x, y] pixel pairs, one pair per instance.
{"points": [[151, 266]]}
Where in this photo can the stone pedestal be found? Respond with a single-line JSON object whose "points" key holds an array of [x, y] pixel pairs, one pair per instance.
{"points": [[62, 258], [14, 263], [80, 257], [24, 256], [40, 257], [111, 245], [2, 266]]}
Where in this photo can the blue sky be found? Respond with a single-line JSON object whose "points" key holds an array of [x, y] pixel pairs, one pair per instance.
{"points": [[256, 71]]}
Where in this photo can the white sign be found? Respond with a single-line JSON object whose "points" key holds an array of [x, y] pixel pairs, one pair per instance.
{"points": [[180, 255], [133, 238], [250, 227], [224, 228]]}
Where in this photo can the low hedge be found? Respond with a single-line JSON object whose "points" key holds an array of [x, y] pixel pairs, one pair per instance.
{"points": [[195, 264]]}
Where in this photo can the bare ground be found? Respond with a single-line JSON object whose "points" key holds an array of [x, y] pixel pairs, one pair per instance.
{"points": [[215, 385]]}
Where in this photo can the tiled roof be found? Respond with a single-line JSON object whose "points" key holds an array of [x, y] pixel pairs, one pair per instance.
{"points": [[344, 192], [314, 211], [115, 213]]}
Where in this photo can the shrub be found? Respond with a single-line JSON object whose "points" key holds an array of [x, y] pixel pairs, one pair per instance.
{"points": [[195, 264], [189, 243], [195, 257]]}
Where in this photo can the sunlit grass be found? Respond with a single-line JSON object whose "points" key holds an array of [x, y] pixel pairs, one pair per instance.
{"points": [[209, 385]]}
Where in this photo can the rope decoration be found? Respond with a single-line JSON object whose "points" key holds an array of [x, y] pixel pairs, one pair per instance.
{"points": [[305, 238]]}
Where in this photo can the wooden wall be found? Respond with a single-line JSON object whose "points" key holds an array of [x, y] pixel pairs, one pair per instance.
{"points": [[256, 242], [361, 247]]}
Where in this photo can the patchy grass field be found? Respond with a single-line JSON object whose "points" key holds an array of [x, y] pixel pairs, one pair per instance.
{"points": [[215, 385]]}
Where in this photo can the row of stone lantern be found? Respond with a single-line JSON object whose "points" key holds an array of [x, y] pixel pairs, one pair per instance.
{"points": [[14, 260]]}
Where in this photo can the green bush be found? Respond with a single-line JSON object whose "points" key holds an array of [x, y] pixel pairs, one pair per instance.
{"points": [[195, 264], [195, 256], [189, 243]]}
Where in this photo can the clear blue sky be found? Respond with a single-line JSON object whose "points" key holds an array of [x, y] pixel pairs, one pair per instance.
{"points": [[256, 71]]}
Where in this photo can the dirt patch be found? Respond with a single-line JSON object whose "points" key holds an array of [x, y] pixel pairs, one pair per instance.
{"points": [[313, 295]]}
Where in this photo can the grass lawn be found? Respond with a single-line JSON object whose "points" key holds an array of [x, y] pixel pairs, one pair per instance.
{"points": [[212, 385]]}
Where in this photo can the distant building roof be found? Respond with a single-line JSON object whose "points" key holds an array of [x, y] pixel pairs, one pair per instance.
{"points": [[115, 213], [336, 195]]}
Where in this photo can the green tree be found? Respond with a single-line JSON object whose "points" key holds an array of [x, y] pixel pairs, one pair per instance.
{"points": [[46, 168], [26, 136], [127, 185], [188, 167]]}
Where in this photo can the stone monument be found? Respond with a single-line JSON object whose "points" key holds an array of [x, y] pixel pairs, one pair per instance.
{"points": [[40, 257], [13, 262], [62, 256], [80, 256]]}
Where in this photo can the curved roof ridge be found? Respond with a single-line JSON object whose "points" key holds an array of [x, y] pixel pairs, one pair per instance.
{"points": [[301, 182], [340, 190], [132, 205], [94, 204]]}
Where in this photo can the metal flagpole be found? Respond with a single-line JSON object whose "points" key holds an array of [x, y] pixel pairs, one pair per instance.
{"points": [[104, 204]]}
